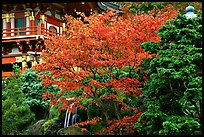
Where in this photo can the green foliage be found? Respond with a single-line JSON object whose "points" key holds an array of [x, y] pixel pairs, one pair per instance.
{"points": [[176, 125], [16, 114], [143, 7], [33, 89], [97, 127], [138, 7], [173, 94], [92, 112], [54, 122], [47, 124], [74, 93]]}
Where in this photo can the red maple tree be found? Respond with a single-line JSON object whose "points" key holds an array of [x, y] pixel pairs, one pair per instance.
{"points": [[101, 45]]}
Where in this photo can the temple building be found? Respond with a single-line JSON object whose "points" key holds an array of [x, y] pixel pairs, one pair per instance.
{"points": [[26, 26]]}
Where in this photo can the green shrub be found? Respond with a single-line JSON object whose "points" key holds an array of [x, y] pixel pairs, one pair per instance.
{"points": [[33, 89], [16, 114]]}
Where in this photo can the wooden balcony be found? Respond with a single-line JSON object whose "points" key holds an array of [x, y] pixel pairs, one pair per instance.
{"points": [[31, 33]]}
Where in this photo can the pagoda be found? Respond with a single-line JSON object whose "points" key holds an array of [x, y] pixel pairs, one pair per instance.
{"points": [[26, 26]]}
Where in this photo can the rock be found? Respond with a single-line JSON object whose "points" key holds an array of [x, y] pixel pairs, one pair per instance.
{"points": [[72, 131], [37, 127], [197, 133], [54, 128]]}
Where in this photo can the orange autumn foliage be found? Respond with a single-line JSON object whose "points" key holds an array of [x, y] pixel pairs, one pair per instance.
{"points": [[97, 45]]}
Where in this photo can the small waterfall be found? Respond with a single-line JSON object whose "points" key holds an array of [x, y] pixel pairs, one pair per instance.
{"points": [[71, 117]]}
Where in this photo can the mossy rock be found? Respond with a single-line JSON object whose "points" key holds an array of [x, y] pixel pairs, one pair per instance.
{"points": [[53, 128], [37, 127], [72, 131]]}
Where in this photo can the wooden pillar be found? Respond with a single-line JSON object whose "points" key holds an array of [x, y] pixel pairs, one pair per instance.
{"points": [[32, 23], [12, 23], [27, 22], [8, 23], [43, 23], [39, 29], [4, 27], [6, 18], [8, 27]]}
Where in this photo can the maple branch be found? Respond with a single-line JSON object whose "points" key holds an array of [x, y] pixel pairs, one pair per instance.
{"points": [[116, 109], [66, 66], [89, 95], [94, 73], [96, 98], [92, 91], [73, 68], [83, 68]]}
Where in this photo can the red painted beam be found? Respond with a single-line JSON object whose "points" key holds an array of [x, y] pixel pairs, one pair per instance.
{"points": [[8, 60], [6, 74]]}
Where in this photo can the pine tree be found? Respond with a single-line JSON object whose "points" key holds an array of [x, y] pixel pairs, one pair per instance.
{"points": [[173, 94], [16, 115]]}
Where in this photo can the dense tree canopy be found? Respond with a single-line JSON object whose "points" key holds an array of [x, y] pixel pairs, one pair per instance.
{"points": [[173, 93], [16, 115], [100, 61], [137, 7], [32, 88]]}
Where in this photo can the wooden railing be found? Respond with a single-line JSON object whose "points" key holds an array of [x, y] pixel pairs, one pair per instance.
{"points": [[27, 31]]}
